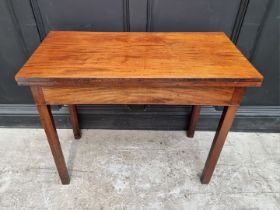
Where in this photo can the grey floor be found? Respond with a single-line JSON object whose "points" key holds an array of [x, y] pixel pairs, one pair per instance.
{"points": [[113, 169]]}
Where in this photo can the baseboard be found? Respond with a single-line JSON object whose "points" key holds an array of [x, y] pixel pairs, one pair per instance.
{"points": [[248, 118]]}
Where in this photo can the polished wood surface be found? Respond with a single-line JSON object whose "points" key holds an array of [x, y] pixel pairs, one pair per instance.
{"points": [[218, 143], [193, 120], [138, 95], [49, 126], [190, 58], [51, 133], [74, 121], [138, 68]]}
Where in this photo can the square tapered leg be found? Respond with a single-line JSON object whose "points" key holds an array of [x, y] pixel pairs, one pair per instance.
{"points": [[74, 121], [193, 120], [218, 143], [49, 126]]}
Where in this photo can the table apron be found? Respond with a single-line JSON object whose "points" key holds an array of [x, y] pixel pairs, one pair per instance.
{"points": [[141, 95]]}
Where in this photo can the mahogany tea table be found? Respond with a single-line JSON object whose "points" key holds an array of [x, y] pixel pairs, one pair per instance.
{"points": [[177, 68]]}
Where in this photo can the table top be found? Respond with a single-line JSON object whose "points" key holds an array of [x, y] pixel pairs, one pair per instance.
{"points": [[192, 58]]}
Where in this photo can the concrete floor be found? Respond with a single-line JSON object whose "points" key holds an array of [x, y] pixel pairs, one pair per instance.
{"points": [[113, 169]]}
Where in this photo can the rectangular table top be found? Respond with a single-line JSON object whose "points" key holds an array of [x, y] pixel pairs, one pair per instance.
{"points": [[192, 58]]}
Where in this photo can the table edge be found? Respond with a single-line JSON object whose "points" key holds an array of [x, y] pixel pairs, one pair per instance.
{"points": [[233, 82]]}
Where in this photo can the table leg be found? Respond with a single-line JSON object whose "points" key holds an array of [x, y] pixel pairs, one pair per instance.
{"points": [[218, 142], [193, 120], [74, 121], [49, 126]]}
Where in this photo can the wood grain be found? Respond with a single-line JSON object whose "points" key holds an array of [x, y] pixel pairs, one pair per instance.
{"points": [[138, 95], [138, 68], [218, 143], [50, 130], [193, 120], [238, 94], [194, 58], [74, 121], [37, 94]]}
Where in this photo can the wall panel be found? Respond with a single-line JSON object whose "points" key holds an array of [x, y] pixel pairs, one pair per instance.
{"points": [[252, 24]]}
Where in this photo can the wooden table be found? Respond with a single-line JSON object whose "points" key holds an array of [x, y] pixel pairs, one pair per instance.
{"points": [[138, 68]]}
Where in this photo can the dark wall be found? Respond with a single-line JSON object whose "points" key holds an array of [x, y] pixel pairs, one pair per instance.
{"points": [[251, 24], [18, 39], [259, 41]]}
